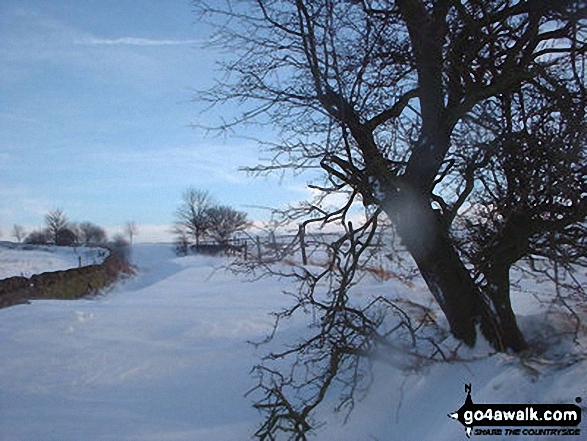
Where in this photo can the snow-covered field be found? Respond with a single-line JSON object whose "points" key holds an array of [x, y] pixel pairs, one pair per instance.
{"points": [[23, 260], [164, 356]]}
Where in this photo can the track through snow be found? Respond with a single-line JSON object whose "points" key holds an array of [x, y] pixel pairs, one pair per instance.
{"points": [[164, 356]]}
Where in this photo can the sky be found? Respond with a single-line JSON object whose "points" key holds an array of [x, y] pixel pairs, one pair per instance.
{"points": [[97, 118]]}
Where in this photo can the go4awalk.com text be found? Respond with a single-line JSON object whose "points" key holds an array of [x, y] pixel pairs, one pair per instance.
{"points": [[518, 419]]}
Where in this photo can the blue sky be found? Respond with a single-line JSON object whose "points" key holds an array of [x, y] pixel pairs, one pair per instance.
{"points": [[96, 116]]}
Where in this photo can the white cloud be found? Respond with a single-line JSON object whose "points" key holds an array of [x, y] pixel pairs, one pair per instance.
{"points": [[33, 41]]}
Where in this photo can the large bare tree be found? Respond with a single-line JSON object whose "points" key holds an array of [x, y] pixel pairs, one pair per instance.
{"points": [[461, 121], [386, 96]]}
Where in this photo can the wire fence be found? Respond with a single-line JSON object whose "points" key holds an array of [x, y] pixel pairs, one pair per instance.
{"points": [[272, 247]]}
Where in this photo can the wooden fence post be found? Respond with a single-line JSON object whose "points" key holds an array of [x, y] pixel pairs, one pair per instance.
{"points": [[259, 254], [273, 240], [302, 235]]}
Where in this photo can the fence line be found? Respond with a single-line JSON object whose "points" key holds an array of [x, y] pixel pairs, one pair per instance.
{"points": [[270, 247]]}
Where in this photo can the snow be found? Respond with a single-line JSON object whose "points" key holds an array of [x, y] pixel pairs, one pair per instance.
{"points": [[23, 260], [165, 356]]}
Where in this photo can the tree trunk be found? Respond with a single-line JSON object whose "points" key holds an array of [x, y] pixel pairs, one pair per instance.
{"points": [[464, 304], [498, 321], [425, 237]]}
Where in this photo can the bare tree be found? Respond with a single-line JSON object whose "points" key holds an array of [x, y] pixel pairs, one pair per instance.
{"points": [[121, 246], [182, 241], [91, 234], [416, 109], [131, 230], [40, 237], [225, 222], [199, 216], [56, 222], [378, 93], [532, 190], [67, 237], [191, 216], [19, 232]]}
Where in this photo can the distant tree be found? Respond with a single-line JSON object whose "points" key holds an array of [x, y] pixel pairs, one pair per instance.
{"points": [[55, 221], [192, 215], [131, 230], [225, 222], [18, 232], [121, 246], [120, 241], [182, 241], [66, 237], [199, 217], [91, 234], [39, 237]]}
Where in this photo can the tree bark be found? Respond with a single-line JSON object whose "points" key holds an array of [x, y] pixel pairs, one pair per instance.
{"points": [[424, 235], [498, 321]]}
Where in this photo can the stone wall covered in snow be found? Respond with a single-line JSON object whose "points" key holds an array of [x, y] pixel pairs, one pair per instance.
{"points": [[66, 284]]}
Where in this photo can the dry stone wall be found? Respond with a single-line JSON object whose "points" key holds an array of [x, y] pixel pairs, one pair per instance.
{"points": [[69, 284]]}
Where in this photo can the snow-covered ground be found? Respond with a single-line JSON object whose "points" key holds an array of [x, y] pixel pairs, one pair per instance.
{"points": [[164, 356], [26, 260]]}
